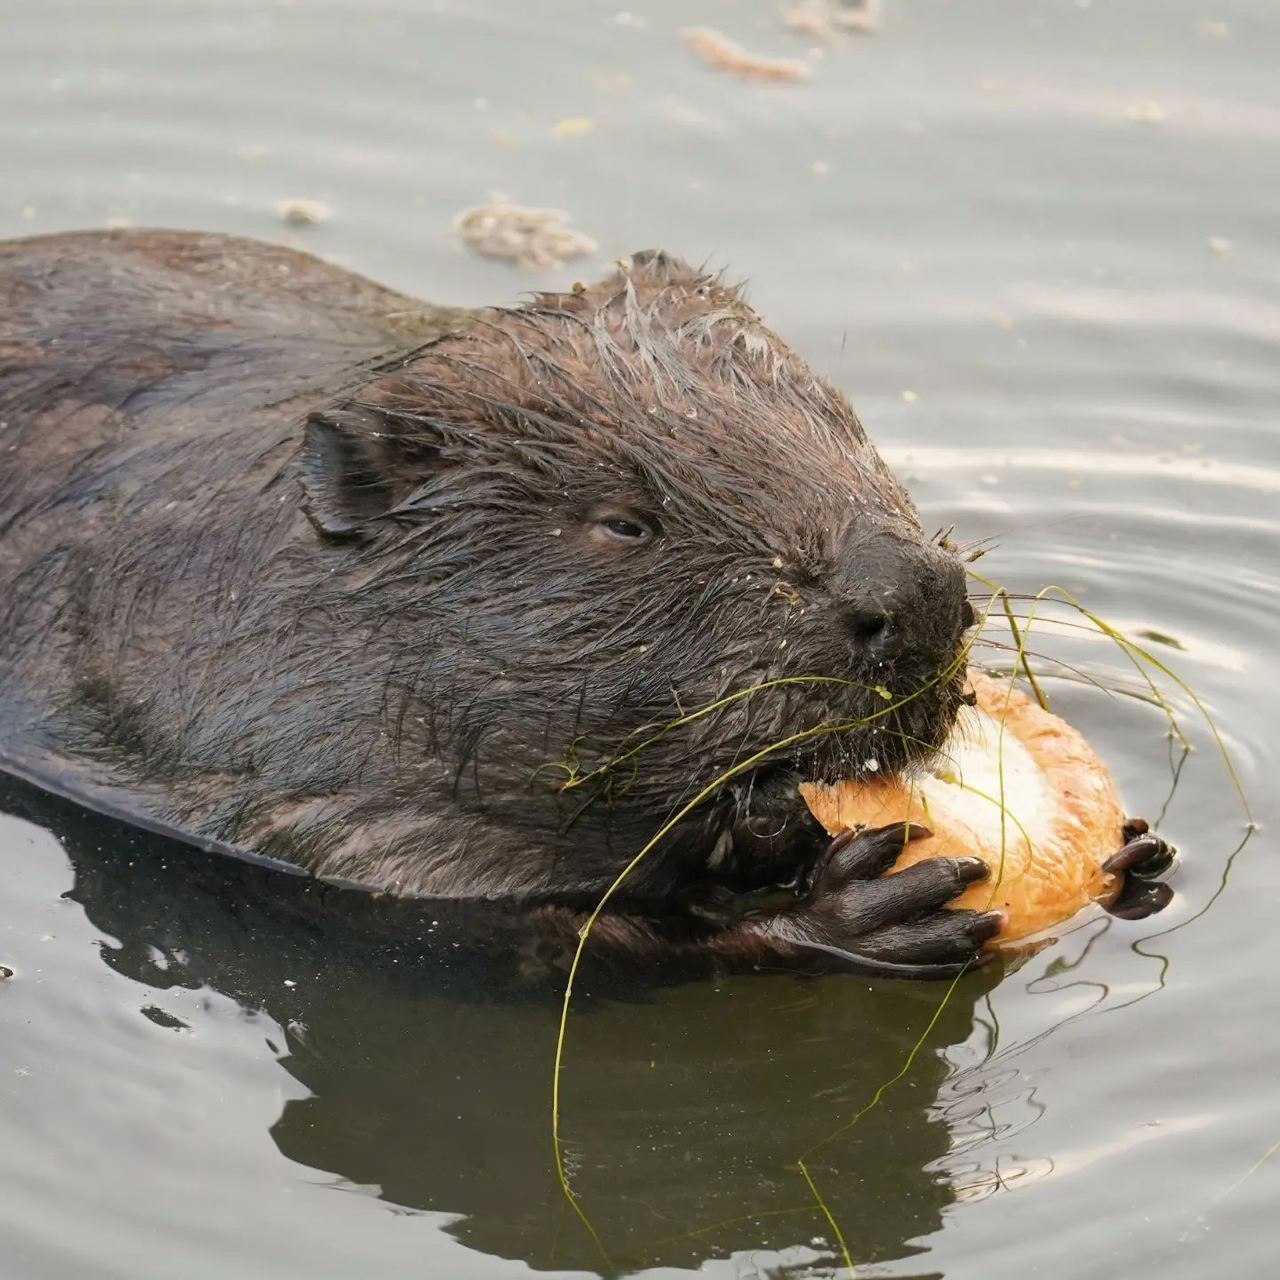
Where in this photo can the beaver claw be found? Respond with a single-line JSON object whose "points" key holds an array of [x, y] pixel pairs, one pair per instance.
{"points": [[889, 924], [1144, 857]]}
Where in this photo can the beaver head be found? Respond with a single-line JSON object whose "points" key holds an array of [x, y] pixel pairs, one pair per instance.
{"points": [[595, 522]]}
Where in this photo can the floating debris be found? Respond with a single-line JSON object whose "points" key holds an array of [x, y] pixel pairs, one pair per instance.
{"points": [[1220, 245], [857, 15], [531, 238], [723, 54], [303, 213], [822, 18]]}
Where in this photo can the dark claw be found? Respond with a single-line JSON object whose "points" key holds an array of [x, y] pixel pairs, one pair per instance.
{"points": [[863, 855], [925, 887], [840, 839], [1135, 827], [1145, 856], [1141, 899], [987, 924], [946, 937], [893, 925]]}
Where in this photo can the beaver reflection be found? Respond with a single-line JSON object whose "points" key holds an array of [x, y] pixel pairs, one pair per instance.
{"points": [[428, 1064]]}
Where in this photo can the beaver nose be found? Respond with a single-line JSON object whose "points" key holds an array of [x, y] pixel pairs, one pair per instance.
{"points": [[898, 598], [873, 628]]}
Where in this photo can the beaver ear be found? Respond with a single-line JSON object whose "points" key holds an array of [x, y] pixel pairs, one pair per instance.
{"points": [[662, 267], [349, 471], [659, 259]]}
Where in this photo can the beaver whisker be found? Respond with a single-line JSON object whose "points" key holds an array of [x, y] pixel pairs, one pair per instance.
{"points": [[1079, 672]]}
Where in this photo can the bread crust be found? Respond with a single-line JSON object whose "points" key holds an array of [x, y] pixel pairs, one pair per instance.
{"points": [[1045, 869]]}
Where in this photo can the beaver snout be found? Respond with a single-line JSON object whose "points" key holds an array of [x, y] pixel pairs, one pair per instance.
{"points": [[901, 599]]}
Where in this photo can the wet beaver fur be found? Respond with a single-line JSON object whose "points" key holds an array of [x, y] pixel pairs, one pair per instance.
{"points": [[296, 567]]}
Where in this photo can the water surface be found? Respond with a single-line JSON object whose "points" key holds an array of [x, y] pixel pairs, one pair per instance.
{"points": [[1035, 240]]}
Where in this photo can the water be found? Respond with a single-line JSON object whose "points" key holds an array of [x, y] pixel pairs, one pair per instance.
{"points": [[1036, 242]]}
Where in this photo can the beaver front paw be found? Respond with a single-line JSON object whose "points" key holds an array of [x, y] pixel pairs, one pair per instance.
{"points": [[888, 924], [1144, 857]]}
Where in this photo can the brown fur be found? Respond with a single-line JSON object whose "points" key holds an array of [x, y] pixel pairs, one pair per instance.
{"points": [[296, 566]]}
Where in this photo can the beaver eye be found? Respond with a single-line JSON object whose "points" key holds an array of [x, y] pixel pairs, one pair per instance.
{"points": [[621, 527]]}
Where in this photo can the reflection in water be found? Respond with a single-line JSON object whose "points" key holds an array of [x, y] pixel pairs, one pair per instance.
{"points": [[427, 1064], [1083, 306]]}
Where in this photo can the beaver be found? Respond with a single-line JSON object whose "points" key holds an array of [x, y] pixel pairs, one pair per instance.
{"points": [[466, 605]]}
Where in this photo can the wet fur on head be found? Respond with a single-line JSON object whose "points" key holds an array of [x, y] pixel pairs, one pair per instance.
{"points": [[471, 488]]}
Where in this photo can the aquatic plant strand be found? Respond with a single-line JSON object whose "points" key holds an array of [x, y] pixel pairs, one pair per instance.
{"points": [[1135, 653], [706, 792], [908, 1061]]}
